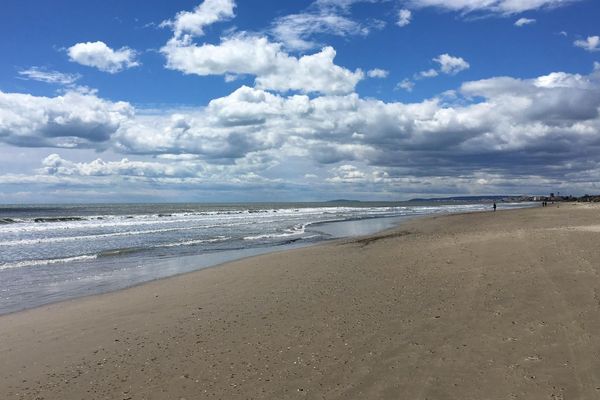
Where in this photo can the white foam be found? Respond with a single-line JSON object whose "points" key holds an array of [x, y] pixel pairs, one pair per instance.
{"points": [[22, 242], [298, 230], [198, 241], [30, 263]]}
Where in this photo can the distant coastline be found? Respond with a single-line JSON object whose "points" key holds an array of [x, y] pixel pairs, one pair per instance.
{"points": [[512, 198]]}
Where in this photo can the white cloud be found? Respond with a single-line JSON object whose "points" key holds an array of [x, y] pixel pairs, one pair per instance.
{"points": [[347, 173], [495, 132], [404, 17], [352, 174], [563, 80], [72, 120], [274, 68], [406, 84], [330, 17], [592, 43], [451, 65], [48, 76], [510, 115], [230, 127], [447, 65], [251, 54], [99, 55], [430, 73], [493, 6], [207, 13], [378, 73], [524, 21], [55, 165], [339, 4], [295, 30]]}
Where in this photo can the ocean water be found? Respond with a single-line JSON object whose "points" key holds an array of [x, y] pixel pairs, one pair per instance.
{"points": [[50, 253]]}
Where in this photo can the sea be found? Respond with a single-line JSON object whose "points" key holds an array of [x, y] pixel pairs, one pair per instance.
{"points": [[50, 253]]}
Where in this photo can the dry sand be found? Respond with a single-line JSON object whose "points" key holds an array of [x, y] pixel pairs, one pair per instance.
{"points": [[499, 305]]}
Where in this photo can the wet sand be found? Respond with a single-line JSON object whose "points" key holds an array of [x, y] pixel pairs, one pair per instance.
{"points": [[501, 305]]}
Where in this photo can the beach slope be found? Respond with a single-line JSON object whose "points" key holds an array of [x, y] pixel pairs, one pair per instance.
{"points": [[501, 305]]}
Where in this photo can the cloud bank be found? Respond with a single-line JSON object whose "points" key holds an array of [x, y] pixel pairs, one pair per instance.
{"points": [[500, 129]]}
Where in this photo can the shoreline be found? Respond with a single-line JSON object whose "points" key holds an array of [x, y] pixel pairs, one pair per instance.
{"points": [[373, 317], [199, 262], [157, 269], [271, 250]]}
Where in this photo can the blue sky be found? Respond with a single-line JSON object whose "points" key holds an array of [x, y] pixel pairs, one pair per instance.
{"points": [[227, 100]]}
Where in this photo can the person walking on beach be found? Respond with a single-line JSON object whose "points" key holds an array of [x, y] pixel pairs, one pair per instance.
{"points": [[494, 206]]}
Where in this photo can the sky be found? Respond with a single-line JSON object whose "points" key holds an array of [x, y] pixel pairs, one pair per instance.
{"points": [[303, 100]]}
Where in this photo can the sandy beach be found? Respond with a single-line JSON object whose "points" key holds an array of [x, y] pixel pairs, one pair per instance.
{"points": [[501, 305]]}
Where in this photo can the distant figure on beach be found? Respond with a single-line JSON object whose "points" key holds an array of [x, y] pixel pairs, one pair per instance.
{"points": [[494, 206]]}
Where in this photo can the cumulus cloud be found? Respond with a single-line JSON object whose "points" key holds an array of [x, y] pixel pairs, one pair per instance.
{"points": [[353, 175], [490, 6], [207, 13], [347, 173], [404, 17], [524, 21], [99, 55], [557, 100], [448, 65], [513, 122], [509, 119], [55, 165], [493, 133], [451, 65], [48, 76], [592, 43], [245, 53], [74, 119], [273, 67], [229, 128], [378, 73]]}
